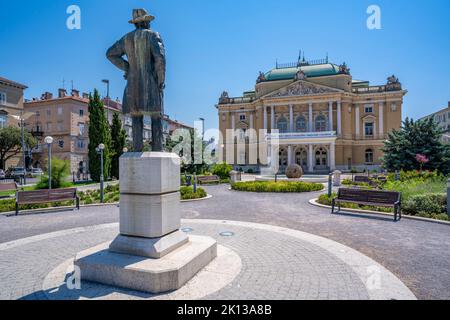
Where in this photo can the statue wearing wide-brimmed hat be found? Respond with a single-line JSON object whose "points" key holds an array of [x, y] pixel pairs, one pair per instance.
{"points": [[145, 69]]}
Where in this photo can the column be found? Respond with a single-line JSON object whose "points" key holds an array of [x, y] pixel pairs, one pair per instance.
{"points": [[291, 118], [265, 117], [251, 120], [357, 119], [332, 157], [330, 116], [289, 155], [310, 158], [272, 117], [381, 118], [310, 120], [233, 121], [339, 118]]}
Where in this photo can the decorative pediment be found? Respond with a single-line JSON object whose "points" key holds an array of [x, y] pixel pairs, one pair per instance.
{"points": [[243, 125], [301, 88]]}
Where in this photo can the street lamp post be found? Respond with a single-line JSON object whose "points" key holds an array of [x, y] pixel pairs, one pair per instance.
{"points": [[22, 125], [49, 140], [100, 149]]}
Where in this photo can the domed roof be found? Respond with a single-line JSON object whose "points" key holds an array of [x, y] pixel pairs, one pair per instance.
{"points": [[327, 69]]}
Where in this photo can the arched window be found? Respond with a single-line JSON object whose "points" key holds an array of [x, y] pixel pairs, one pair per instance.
{"points": [[300, 124], [282, 125], [283, 158], [321, 123], [369, 156], [301, 157]]}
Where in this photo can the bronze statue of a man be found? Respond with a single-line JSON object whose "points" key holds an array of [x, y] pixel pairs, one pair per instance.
{"points": [[145, 69]]}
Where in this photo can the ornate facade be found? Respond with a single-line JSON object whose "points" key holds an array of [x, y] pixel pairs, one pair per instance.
{"points": [[326, 120]]}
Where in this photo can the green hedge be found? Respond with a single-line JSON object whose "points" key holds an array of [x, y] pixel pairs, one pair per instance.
{"points": [[187, 193], [280, 187]]}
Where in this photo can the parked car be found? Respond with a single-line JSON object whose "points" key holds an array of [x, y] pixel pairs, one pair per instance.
{"points": [[2, 174], [36, 172], [16, 173]]}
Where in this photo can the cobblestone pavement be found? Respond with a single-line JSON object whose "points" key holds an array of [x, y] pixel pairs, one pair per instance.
{"points": [[275, 265], [415, 251]]}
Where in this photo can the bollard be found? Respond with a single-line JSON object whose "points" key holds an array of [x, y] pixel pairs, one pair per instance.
{"points": [[448, 197], [330, 185]]}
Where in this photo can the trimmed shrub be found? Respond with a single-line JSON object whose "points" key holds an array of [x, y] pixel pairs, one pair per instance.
{"points": [[187, 193], [428, 204], [277, 187]]}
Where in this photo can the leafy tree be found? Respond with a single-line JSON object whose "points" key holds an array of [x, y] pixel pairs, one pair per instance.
{"points": [[60, 172], [11, 143], [118, 142], [99, 132], [222, 170], [416, 138], [189, 164]]}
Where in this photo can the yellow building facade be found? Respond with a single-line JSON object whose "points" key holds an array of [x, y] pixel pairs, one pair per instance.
{"points": [[321, 118]]}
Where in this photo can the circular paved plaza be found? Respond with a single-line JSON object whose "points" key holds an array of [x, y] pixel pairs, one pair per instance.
{"points": [[295, 251]]}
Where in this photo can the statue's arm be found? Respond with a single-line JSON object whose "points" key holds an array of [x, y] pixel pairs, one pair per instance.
{"points": [[159, 54], [115, 55]]}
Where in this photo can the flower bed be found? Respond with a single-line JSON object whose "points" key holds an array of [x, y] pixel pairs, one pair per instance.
{"points": [[277, 187], [423, 195]]}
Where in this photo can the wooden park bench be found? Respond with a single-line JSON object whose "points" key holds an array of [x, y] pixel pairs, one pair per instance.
{"points": [[388, 199], [47, 196], [208, 179], [8, 186]]}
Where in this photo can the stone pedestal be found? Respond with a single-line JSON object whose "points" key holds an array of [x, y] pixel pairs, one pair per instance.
{"points": [[149, 231]]}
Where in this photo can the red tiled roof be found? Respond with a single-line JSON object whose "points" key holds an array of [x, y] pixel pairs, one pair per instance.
{"points": [[13, 83]]}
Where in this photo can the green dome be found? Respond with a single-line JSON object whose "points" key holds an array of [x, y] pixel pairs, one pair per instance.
{"points": [[319, 70]]}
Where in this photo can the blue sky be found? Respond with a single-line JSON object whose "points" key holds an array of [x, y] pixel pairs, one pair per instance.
{"points": [[216, 45]]}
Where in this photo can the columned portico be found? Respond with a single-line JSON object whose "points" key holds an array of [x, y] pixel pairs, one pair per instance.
{"points": [[272, 117], [310, 117], [330, 116], [265, 117], [339, 118], [291, 118]]}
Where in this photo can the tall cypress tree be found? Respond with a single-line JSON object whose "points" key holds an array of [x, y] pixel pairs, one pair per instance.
{"points": [[118, 141], [99, 132]]}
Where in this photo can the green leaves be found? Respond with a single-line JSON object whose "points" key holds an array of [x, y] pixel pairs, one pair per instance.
{"points": [[11, 143], [416, 137]]}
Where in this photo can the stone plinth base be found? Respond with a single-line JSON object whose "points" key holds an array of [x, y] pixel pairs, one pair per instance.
{"points": [[150, 248], [168, 273]]}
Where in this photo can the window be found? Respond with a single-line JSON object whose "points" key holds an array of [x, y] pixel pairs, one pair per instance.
{"points": [[369, 156], [38, 114], [321, 124], [321, 157], [368, 128], [80, 144], [49, 112], [282, 125], [60, 111], [49, 127], [81, 126], [300, 124], [242, 117], [2, 98], [3, 120], [81, 112], [369, 108], [59, 126]]}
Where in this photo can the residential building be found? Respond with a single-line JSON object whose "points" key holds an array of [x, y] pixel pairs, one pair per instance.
{"points": [[66, 119], [442, 118], [326, 119], [11, 107]]}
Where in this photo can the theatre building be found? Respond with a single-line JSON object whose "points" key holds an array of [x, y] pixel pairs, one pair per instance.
{"points": [[325, 119]]}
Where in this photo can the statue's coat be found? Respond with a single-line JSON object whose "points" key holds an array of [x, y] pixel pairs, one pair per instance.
{"points": [[144, 70]]}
